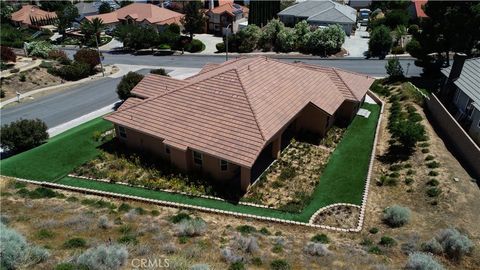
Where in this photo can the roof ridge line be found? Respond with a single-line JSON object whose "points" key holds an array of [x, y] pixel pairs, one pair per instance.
{"points": [[249, 104], [344, 83]]}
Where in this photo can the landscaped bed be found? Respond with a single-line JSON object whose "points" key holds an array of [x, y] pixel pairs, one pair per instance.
{"points": [[342, 181]]}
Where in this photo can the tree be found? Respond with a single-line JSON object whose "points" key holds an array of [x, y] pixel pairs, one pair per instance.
{"points": [[286, 40], [87, 56], [23, 134], [91, 28], [396, 17], [6, 11], [139, 37], [261, 12], [7, 55], [268, 39], [380, 41], [302, 32], [65, 18], [127, 83], [194, 19], [409, 133], [124, 3], [394, 69], [248, 38], [414, 48], [104, 8]]}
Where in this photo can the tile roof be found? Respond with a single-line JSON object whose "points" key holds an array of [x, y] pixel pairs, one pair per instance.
{"points": [[29, 11], [140, 12], [230, 8], [469, 79], [418, 8], [149, 86], [232, 110]]}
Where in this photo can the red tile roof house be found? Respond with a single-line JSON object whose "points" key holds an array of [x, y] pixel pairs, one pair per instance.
{"points": [[225, 119], [226, 14], [140, 13], [33, 16]]}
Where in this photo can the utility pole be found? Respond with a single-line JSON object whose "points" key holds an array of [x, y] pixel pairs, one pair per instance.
{"points": [[99, 56]]}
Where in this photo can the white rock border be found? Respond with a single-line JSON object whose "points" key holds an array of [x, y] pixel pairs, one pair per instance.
{"points": [[236, 214]]}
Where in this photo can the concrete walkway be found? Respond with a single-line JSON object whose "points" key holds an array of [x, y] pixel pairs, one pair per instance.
{"points": [[357, 44], [210, 42]]}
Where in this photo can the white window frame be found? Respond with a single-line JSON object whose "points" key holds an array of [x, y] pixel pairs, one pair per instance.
{"points": [[122, 132], [200, 158], [226, 165]]}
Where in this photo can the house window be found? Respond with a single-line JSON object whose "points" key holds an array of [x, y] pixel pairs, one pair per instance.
{"points": [[122, 132], [167, 149], [197, 158], [223, 165]]}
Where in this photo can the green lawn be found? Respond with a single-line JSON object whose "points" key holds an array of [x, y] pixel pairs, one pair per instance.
{"points": [[342, 181]]}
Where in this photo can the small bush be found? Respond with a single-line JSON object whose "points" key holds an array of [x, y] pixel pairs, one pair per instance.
{"points": [[73, 72], [220, 47], [265, 231], [422, 261], [104, 223], [246, 229], [22, 77], [432, 246], [159, 71], [237, 266], [75, 243], [396, 167], [433, 165], [410, 172], [373, 230], [87, 56], [375, 250], [124, 207], [7, 55], [433, 182], [287, 173], [429, 157], [37, 254], [229, 255], [433, 173], [45, 234], [127, 83], [128, 239], [387, 241], [409, 181], [195, 46], [454, 244], [155, 212], [425, 150], [180, 217], [398, 50], [316, 249], [191, 227], [396, 216], [104, 257], [246, 244], [320, 238], [257, 261], [433, 192], [280, 264], [277, 248], [65, 266], [424, 144]]}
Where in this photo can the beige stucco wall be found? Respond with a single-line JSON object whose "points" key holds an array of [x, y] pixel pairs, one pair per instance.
{"points": [[313, 119]]}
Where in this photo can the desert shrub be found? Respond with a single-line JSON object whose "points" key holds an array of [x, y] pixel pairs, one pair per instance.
{"points": [[246, 244], [316, 249], [433, 165], [265, 231], [195, 46], [230, 256], [23, 134], [422, 261], [87, 56], [398, 50], [7, 55], [104, 257], [180, 217], [433, 173], [432, 246], [373, 230], [387, 241], [155, 212], [287, 173], [280, 264], [237, 266], [39, 48], [140, 211], [37, 254], [387, 181], [433, 192], [378, 88], [42, 192], [408, 180], [257, 261], [76, 242], [429, 157], [277, 248], [433, 182], [425, 150], [104, 223], [320, 238], [375, 250], [246, 229], [396, 167], [191, 227], [454, 244], [159, 71], [220, 47], [127, 83], [45, 64], [396, 216], [128, 239], [124, 207], [65, 266], [44, 234], [73, 72]]}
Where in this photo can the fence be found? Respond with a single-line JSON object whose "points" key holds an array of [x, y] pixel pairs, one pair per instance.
{"points": [[459, 141]]}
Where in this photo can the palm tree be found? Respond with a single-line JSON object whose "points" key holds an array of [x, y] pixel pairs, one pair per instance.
{"points": [[90, 28]]}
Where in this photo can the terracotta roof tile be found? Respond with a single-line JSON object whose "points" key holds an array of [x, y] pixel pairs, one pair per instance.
{"points": [[153, 85], [232, 110], [30, 11]]}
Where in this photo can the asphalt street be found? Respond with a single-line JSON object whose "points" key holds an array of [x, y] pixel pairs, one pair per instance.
{"points": [[61, 107]]}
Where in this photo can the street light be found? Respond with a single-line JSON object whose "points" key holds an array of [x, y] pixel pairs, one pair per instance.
{"points": [[226, 41]]}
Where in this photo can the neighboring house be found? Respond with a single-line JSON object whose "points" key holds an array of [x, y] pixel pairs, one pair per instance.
{"points": [[415, 9], [358, 4], [320, 13], [462, 87], [224, 15], [232, 119], [87, 9], [140, 13], [33, 16]]}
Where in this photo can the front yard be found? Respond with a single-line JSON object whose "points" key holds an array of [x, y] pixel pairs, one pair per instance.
{"points": [[342, 180]]}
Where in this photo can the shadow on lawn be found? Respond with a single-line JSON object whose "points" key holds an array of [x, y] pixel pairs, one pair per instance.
{"points": [[227, 190]]}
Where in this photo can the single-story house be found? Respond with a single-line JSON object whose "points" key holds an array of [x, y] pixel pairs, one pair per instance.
{"points": [[320, 13], [140, 13], [32, 16], [230, 118], [462, 88], [224, 15]]}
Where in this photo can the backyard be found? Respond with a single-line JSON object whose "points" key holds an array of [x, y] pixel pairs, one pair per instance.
{"points": [[61, 155]]}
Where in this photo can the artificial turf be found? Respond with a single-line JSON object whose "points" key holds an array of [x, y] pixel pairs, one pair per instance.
{"points": [[342, 181]]}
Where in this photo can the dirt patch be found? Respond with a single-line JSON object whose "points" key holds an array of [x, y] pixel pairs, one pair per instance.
{"points": [[341, 216]]}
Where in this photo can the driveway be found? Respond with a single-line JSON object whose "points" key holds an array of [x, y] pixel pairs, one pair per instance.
{"points": [[357, 44], [210, 41]]}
